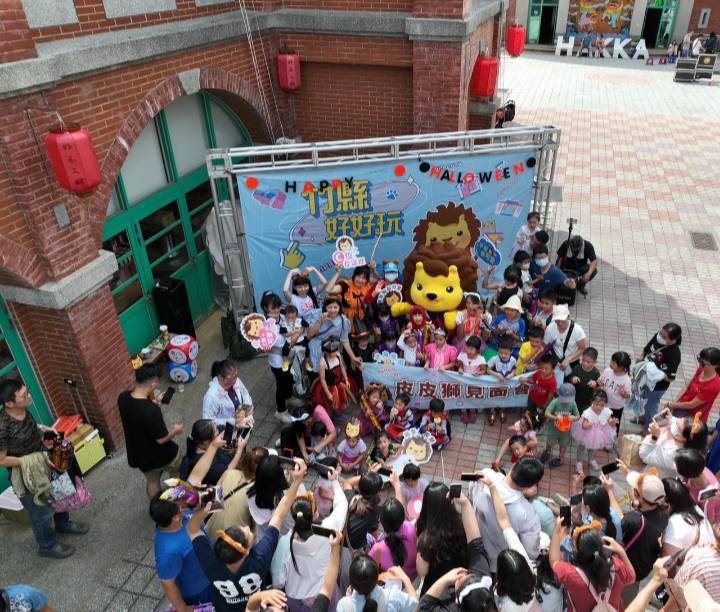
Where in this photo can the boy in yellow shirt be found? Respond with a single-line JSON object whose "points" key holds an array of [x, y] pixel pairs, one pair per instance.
{"points": [[530, 351]]}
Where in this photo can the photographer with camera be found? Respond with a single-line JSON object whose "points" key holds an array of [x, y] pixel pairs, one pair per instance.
{"points": [[578, 255]]}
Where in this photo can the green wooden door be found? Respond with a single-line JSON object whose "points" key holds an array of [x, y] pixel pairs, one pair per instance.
{"points": [[14, 364]]}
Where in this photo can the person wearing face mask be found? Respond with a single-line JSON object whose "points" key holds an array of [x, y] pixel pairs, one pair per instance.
{"points": [[579, 256], [658, 448], [547, 276], [663, 351]]}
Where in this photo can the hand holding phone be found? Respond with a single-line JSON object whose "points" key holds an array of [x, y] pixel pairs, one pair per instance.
{"points": [[167, 396], [470, 477], [383, 471], [455, 490], [609, 468], [565, 515], [576, 499], [707, 494], [286, 461], [228, 433], [322, 531], [244, 432]]}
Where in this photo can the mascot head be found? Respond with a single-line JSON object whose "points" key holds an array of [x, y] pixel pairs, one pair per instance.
{"points": [[449, 224]]}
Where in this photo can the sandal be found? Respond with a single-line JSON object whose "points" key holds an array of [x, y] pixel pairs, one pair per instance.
{"points": [[503, 416], [491, 418]]}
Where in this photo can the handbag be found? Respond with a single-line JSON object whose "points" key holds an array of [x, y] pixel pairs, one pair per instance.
{"points": [[61, 486], [80, 499]]}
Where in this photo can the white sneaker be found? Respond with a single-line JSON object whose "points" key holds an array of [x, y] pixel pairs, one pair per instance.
{"points": [[277, 443], [594, 465], [283, 417]]}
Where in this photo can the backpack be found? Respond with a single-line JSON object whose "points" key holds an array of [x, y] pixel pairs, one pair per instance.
{"points": [[602, 603]]}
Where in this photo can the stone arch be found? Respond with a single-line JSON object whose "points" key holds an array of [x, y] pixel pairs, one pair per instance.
{"points": [[156, 99], [19, 265]]}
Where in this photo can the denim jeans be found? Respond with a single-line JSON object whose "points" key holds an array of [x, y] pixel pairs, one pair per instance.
{"points": [[42, 518], [652, 401]]}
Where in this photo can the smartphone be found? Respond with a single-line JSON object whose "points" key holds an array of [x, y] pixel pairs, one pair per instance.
{"points": [[609, 468], [244, 432], [385, 472], [674, 558], [707, 494], [470, 477], [228, 433], [321, 469], [322, 531], [455, 490], [565, 514], [286, 461], [662, 594], [576, 499], [288, 452], [167, 396]]}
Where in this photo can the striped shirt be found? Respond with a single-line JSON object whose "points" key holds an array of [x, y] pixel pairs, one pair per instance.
{"points": [[702, 563]]}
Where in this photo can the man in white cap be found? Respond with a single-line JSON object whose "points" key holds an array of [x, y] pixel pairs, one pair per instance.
{"points": [[643, 527], [568, 340]]}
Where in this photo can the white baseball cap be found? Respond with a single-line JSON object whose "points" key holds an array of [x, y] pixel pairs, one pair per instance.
{"points": [[561, 312]]}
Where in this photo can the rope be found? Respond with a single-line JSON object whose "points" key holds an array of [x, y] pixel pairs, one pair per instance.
{"points": [[258, 78], [270, 81]]}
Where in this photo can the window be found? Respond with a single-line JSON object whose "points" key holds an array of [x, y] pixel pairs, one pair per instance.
{"points": [[704, 19], [187, 132], [144, 171], [227, 133]]}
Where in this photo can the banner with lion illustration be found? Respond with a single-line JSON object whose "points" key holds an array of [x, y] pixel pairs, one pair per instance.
{"points": [[462, 211]]}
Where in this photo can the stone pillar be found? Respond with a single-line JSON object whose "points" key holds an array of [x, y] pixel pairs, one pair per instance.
{"points": [[637, 20], [562, 17], [15, 40]]}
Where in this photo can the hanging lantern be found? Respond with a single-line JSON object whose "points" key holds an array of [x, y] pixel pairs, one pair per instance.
{"points": [[516, 39], [73, 158], [484, 76], [288, 71]]}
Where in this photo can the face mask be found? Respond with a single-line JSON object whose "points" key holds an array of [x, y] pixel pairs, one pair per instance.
{"points": [[542, 262], [391, 277], [525, 266], [660, 340]]}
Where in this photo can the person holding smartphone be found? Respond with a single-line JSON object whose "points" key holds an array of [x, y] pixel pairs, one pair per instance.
{"points": [[303, 555], [237, 565]]}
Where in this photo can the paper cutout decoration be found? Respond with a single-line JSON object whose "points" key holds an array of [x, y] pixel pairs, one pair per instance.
{"points": [[387, 358], [260, 332], [417, 448], [390, 292], [487, 252], [346, 254], [272, 198], [509, 208]]}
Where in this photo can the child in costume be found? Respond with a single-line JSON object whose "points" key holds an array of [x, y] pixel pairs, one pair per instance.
{"points": [[435, 421], [440, 355], [419, 323], [509, 324], [400, 418], [561, 414], [391, 272], [389, 344], [526, 427], [351, 451], [594, 430], [409, 345], [355, 291], [363, 348], [384, 322], [473, 321], [332, 390], [471, 362], [372, 406], [502, 367]]}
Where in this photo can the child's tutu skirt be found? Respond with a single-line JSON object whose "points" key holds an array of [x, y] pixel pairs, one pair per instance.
{"points": [[598, 436]]}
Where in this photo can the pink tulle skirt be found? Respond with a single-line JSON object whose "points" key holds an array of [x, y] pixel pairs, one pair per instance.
{"points": [[599, 436]]}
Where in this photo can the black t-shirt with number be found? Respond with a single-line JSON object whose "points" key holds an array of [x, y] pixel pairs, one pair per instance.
{"points": [[231, 591]]}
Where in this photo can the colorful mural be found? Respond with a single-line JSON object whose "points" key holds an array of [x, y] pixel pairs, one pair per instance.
{"points": [[586, 16]]}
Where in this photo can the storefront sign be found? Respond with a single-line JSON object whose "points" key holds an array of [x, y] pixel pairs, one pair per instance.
{"points": [[614, 48], [299, 218], [458, 391]]}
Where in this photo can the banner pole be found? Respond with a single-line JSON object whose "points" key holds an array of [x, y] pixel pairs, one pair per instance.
{"points": [[372, 255]]}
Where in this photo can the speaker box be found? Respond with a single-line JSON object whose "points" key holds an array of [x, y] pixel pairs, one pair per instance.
{"points": [[173, 306]]}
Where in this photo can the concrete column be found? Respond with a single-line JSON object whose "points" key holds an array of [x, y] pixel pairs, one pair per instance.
{"points": [[682, 20], [562, 16], [638, 18], [522, 8]]}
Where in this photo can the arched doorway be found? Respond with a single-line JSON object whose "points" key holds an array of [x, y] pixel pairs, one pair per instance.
{"points": [[158, 207]]}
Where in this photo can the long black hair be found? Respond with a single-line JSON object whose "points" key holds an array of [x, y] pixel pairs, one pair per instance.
{"points": [[302, 513], [677, 496], [597, 499], [695, 439], [441, 535], [270, 483], [545, 577], [588, 556], [514, 578], [363, 579], [392, 518], [202, 431], [369, 498], [301, 279], [712, 356]]}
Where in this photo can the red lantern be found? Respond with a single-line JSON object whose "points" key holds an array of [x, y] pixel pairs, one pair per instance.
{"points": [[484, 76], [516, 39], [73, 158], [288, 70]]}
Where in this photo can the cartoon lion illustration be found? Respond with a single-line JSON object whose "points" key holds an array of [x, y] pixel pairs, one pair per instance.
{"points": [[449, 224], [435, 277]]}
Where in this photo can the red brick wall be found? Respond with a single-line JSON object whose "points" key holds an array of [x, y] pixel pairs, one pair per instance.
{"points": [[15, 39], [714, 23], [448, 9], [84, 343], [365, 102], [393, 6]]}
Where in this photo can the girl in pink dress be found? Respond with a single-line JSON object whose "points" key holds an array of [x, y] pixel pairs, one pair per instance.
{"points": [[440, 355], [594, 429]]}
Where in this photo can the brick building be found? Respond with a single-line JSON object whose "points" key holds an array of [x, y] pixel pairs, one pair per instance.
{"points": [[156, 82]]}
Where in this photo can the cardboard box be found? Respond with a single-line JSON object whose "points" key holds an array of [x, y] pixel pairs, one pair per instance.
{"points": [[89, 447]]}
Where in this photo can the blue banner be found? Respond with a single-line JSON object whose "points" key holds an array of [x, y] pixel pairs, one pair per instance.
{"points": [[475, 203], [458, 391]]}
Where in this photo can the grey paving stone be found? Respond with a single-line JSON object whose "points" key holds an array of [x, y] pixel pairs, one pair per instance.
{"points": [[122, 602], [118, 574], [154, 589], [100, 599], [139, 579], [145, 604]]}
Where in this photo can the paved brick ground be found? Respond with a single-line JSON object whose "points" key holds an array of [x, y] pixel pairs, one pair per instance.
{"points": [[637, 167]]}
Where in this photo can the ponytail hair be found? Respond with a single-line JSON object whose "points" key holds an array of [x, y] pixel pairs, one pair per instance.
{"points": [[363, 576], [224, 368], [588, 556], [597, 499], [392, 518], [302, 513], [202, 431], [369, 488]]}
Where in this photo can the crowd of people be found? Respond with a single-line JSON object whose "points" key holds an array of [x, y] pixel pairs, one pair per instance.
{"points": [[240, 527]]}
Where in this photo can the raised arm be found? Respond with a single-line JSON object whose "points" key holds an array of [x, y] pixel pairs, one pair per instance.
{"points": [[287, 292], [287, 500], [559, 534], [500, 510], [202, 467], [469, 518]]}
